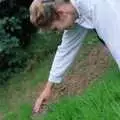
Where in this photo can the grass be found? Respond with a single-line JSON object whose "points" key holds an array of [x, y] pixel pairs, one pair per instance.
{"points": [[100, 101], [17, 98], [22, 87]]}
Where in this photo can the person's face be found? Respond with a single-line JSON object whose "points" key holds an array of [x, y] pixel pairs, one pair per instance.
{"points": [[63, 19]]}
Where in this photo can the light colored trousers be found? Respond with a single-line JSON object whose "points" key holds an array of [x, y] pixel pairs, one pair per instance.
{"points": [[107, 25]]}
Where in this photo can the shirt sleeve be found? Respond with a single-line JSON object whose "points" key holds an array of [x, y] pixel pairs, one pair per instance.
{"points": [[76, 3], [66, 52]]}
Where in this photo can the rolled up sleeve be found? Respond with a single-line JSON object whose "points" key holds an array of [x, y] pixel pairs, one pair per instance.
{"points": [[66, 52]]}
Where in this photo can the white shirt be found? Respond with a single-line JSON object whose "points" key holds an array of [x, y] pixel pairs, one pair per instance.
{"points": [[85, 11], [102, 15]]}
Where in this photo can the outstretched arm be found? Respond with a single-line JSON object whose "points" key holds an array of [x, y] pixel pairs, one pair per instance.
{"points": [[66, 52], [65, 55]]}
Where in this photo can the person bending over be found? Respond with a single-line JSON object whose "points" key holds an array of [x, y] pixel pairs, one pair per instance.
{"points": [[75, 18]]}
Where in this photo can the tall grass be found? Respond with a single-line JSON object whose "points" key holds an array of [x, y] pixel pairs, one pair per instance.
{"points": [[101, 101]]}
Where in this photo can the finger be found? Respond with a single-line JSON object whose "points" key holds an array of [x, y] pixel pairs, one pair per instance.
{"points": [[43, 107], [37, 105], [40, 108], [36, 109]]}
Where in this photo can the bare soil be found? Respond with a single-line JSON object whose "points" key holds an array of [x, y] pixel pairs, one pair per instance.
{"points": [[84, 72]]}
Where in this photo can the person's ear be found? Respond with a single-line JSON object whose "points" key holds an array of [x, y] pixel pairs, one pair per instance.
{"points": [[60, 9], [60, 13]]}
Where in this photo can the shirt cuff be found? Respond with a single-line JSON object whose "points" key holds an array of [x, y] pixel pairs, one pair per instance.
{"points": [[55, 79]]}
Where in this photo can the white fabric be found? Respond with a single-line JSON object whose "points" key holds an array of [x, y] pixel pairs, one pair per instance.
{"points": [[85, 11], [102, 15], [107, 24], [66, 52]]}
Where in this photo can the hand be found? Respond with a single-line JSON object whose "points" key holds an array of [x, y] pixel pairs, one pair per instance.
{"points": [[42, 100]]}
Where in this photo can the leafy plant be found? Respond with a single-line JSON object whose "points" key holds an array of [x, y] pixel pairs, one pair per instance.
{"points": [[15, 35]]}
